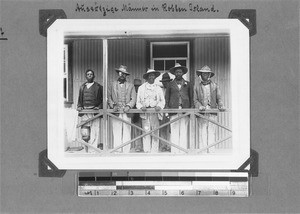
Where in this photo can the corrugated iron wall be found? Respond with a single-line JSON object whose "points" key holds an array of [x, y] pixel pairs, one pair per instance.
{"points": [[129, 52], [87, 54], [215, 52]]}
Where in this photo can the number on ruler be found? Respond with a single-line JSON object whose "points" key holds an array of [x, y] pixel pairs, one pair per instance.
{"points": [[1, 31]]}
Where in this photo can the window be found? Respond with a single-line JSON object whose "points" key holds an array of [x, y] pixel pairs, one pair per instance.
{"points": [[66, 64], [67, 75], [164, 55]]}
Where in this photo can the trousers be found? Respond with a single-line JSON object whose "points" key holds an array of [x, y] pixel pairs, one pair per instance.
{"points": [[150, 143], [94, 131], [165, 134], [136, 145], [121, 132], [207, 132], [179, 133]]}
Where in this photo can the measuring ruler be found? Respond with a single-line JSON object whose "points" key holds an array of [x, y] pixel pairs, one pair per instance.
{"points": [[217, 184]]}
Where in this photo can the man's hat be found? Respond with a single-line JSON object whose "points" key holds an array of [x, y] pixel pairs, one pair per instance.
{"points": [[166, 78], [122, 69], [178, 66], [151, 71], [137, 82], [205, 69]]}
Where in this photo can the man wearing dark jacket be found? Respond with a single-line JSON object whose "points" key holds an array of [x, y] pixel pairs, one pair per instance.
{"points": [[90, 97], [179, 95]]}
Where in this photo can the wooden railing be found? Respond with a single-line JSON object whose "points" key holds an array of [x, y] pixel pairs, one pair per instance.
{"points": [[192, 114]]}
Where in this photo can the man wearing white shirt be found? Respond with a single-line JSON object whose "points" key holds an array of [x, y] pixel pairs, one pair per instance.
{"points": [[150, 95]]}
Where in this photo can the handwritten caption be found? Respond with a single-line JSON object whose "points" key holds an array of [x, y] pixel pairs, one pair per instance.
{"points": [[105, 10], [2, 34]]}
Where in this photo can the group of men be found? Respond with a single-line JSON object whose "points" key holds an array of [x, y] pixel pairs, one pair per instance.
{"points": [[175, 94]]}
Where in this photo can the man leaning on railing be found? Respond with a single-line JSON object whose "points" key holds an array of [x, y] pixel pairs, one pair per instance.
{"points": [[121, 97], [207, 96], [179, 95], [150, 95]]}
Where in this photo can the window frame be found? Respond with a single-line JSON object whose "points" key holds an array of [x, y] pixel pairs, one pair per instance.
{"points": [[186, 76]]}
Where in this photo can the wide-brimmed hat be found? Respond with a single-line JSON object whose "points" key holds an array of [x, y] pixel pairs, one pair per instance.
{"points": [[122, 69], [137, 82], [166, 78], [205, 69], [178, 66], [151, 71]]}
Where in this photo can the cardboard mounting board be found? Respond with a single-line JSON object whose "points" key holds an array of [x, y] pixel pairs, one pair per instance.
{"points": [[274, 111]]}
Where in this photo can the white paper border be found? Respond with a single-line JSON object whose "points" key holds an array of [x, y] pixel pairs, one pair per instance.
{"points": [[120, 28]]}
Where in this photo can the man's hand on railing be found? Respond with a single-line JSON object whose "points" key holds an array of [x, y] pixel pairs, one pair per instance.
{"points": [[116, 108], [222, 109], [202, 108], [143, 108], [157, 108], [79, 108], [126, 109]]}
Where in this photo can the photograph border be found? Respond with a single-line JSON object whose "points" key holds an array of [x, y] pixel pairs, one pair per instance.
{"points": [[135, 28]]}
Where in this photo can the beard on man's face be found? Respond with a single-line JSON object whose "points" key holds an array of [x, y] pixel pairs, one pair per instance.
{"points": [[122, 79], [178, 77]]}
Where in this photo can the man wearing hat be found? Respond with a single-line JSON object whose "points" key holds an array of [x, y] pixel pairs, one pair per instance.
{"points": [[179, 95], [137, 146], [90, 97], [207, 96], [121, 97], [165, 131], [150, 96]]}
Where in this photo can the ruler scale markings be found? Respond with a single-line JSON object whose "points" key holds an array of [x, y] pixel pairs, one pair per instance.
{"points": [[178, 184]]}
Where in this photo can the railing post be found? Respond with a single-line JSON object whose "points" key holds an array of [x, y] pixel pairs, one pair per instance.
{"points": [[192, 131], [104, 130]]}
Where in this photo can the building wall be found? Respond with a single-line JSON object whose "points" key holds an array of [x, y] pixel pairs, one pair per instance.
{"points": [[87, 53], [129, 52]]}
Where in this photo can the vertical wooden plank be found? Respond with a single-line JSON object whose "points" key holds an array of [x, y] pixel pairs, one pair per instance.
{"points": [[196, 133], [192, 131], [104, 120]]}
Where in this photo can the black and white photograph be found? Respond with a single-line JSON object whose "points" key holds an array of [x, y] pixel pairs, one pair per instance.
{"points": [[161, 106], [166, 92]]}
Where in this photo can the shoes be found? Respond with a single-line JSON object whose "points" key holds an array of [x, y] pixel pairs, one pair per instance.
{"points": [[138, 150], [164, 149]]}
